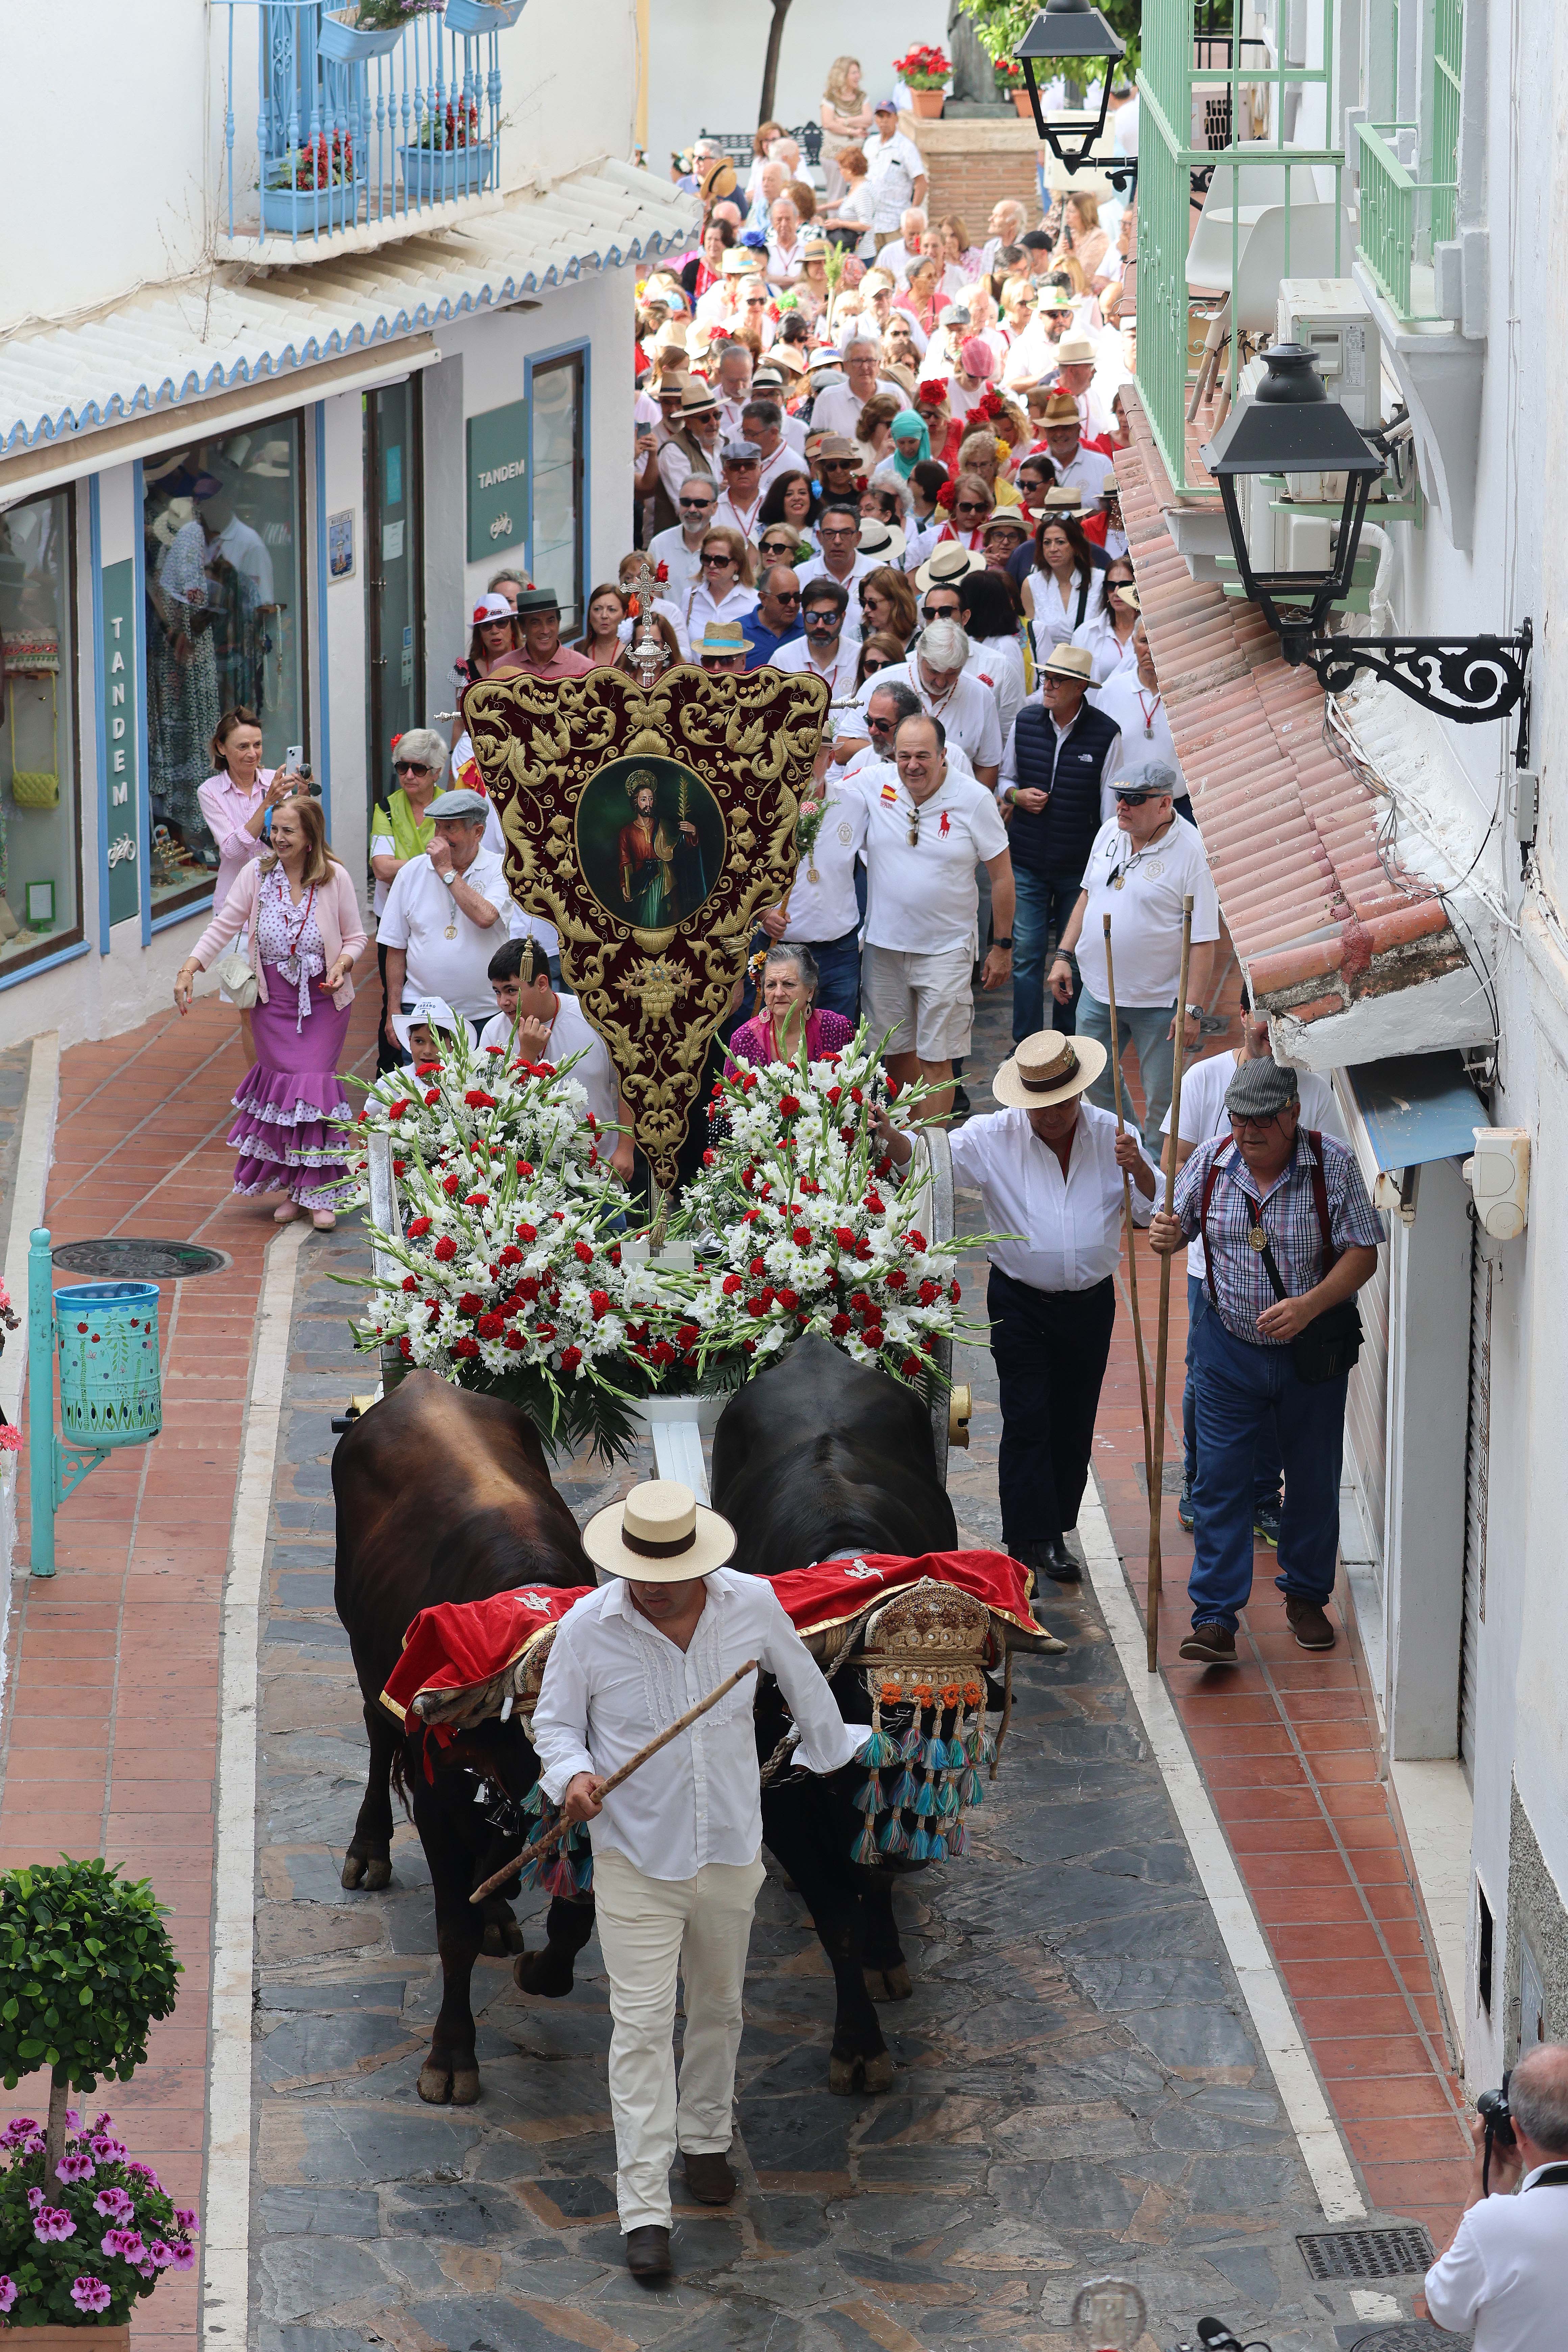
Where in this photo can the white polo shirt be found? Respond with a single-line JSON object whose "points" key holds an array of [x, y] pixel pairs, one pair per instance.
{"points": [[923, 898], [570, 1034], [969, 713], [1507, 2271], [798, 658], [1145, 912], [420, 910], [827, 909], [1140, 711]]}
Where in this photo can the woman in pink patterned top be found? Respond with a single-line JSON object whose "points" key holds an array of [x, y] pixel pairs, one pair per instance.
{"points": [[789, 989]]}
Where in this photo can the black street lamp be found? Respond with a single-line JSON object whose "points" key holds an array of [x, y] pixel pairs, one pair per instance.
{"points": [[1073, 33], [1290, 425]]}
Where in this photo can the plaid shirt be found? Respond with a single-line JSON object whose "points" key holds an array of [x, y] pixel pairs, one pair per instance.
{"points": [[1241, 1284]]}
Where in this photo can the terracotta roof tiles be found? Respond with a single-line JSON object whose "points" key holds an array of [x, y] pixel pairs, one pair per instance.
{"points": [[1290, 829]]}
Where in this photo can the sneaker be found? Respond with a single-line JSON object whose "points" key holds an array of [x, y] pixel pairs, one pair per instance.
{"points": [[1266, 1523], [1309, 1622], [1210, 1645], [1185, 1502]]}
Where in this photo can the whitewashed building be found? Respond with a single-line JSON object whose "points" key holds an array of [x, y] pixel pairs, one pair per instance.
{"points": [[1396, 883], [328, 326]]}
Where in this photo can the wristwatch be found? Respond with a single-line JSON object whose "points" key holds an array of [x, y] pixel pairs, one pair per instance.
{"points": [[1006, 943], [1194, 1012], [449, 878]]}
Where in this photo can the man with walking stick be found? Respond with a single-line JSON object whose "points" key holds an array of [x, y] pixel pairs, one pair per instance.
{"points": [[677, 1849], [1289, 1236]]}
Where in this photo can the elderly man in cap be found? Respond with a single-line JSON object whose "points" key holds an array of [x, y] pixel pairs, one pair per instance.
{"points": [[740, 501], [1289, 1236], [543, 655], [677, 1850], [1049, 1168], [897, 172], [1075, 374], [439, 924], [1077, 468], [1144, 862], [1056, 764]]}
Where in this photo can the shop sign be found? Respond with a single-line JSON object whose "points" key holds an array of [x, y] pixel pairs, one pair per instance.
{"points": [[498, 481], [120, 818]]}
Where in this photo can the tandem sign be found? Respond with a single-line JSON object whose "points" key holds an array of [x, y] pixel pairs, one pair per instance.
{"points": [[498, 479]]}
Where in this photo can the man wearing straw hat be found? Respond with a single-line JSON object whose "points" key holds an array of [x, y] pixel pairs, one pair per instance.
{"points": [[676, 1849], [1049, 1168], [1077, 468]]}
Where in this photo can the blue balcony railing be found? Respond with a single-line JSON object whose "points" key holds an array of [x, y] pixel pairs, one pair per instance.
{"points": [[360, 135]]}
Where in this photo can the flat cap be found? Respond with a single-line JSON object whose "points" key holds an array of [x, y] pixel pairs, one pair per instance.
{"points": [[471, 806], [1261, 1087]]}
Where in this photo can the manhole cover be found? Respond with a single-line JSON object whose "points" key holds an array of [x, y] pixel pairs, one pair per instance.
{"points": [[1368, 2253], [135, 1259], [1410, 2335]]}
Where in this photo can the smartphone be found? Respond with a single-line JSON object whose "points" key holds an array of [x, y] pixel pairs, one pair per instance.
{"points": [[294, 759]]}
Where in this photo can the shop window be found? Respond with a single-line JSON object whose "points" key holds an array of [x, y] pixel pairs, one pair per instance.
{"points": [[222, 523], [559, 430], [40, 864]]}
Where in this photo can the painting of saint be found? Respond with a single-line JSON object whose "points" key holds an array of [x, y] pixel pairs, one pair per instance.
{"points": [[665, 852]]}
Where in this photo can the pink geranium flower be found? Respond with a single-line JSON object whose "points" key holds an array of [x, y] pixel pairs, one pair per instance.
{"points": [[75, 2165], [91, 2293], [51, 2223], [185, 2220], [124, 2244], [113, 2204], [160, 2254], [7, 2292], [19, 2128], [181, 2258], [107, 2150], [145, 2172]]}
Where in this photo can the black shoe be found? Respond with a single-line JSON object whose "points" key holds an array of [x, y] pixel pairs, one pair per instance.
{"points": [[708, 2177], [1056, 1562], [1210, 1645], [1309, 1622], [1265, 1522], [648, 2251]]}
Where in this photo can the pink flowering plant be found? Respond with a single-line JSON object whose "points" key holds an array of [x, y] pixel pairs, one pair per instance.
{"points": [[81, 2241]]}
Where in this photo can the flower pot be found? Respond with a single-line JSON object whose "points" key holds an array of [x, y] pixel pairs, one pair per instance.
{"points": [[471, 16], [69, 2339], [926, 105], [302, 210], [1021, 100], [431, 174], [345, 45]]}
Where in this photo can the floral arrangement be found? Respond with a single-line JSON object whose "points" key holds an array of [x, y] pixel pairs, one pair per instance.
{"points": [[509, 1277], [807, 827], [925, 67], [817, 1230], [86, 2244], [316, 165], [458, 127]]}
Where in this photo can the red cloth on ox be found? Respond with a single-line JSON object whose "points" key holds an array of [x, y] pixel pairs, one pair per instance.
{"points": [[460, 1643]]}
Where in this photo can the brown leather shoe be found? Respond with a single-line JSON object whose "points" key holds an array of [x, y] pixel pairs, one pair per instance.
{"points": [[1210, 1645], [1309, 1622], [708, 2177], [648, 2251]]}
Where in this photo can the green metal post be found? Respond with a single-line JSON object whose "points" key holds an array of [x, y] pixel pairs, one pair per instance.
{"points": [[41, 1398]]}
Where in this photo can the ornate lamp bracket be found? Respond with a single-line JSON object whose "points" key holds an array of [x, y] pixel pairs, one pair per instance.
{"points": [[1467, 679]]}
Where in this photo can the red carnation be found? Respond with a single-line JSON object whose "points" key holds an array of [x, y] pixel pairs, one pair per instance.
{"points": [[528, 1287], [599, 1300], [757, 1266], [662, 1353], [405, 1349], [419, 1225], [708, 1158], [843, 1235], [446, 1250], [933, 390], [450, 1185], [955, 1293], [510, 1256], [544, 1330], [477, 1099], [582, 1251], [476, 1199], [490, 1326], [789, 1105], [834, 1093], [874, 1203], [688, 1335], [469, 1303], [928, 1292], [801, 1237], [788, 1300], [872, 1335], [465, 1346], [525, 1168], [911, 1365], [526, 1232], [839, 1325], [730, 1285], [570, 1358], [515, 1341], [895, 1281], [915, 1241], [409, 1283], [755, 1307]]}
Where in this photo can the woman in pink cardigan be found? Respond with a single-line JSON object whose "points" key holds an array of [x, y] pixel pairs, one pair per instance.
{"points": [[304, 934]]}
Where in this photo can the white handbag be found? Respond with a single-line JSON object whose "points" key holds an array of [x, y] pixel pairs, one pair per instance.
{"points": [[235, 973]]}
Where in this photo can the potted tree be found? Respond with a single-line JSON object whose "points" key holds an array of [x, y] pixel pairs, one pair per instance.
{"points": [[925, 72], [85, 1965]]}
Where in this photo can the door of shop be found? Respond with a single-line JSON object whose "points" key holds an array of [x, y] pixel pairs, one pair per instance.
{"points": [[394, 571]]}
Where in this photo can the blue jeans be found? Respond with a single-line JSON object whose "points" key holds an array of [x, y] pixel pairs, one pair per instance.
{"points": [[839, 975], [1239, 1386], [1042, 903], [1147, 1026], [1265, 1470]]}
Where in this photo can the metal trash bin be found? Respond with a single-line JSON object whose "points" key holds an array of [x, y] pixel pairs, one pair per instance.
{"points": [[110, 1388]]}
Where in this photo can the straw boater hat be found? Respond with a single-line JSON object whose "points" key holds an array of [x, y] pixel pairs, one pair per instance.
{"points": [[718, 181], [722, 641], [1126, 594], [1074, 662], [660, 1535], [698, 399], [741, 261], [950, 563], [1045, 1068], [1008, 519], [1074, 351]]}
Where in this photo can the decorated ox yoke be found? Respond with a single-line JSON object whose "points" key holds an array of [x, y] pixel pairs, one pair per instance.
{"points": [[924, 1633]]}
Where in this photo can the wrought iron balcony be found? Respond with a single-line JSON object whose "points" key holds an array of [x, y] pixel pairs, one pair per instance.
{"points": [[1401, 218], [362, 136]]}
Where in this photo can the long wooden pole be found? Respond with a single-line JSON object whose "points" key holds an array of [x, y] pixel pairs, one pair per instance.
{"points": [[1127, 1215], [672, 1731], [1157, 1464]]}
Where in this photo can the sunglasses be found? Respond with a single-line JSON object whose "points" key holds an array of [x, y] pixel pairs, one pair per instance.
{"points": [[821, 616], [497, 624], [697, 506], [787, 596], [720, 561], [1134, 800], [969, 506], [940, 611], [780, 547], [410, 768], [880, 726]]}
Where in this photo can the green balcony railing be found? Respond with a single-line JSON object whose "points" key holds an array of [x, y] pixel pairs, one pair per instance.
{"points": [[1393, 231]]}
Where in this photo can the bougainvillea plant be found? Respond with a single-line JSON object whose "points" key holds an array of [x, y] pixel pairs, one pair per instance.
{"points": [[83, 2239]]}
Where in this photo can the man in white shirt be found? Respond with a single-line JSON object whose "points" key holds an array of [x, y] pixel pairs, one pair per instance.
{"points": [[1076, 371], [769, 383], [900, 257], [838, 537], [1083, 470], [1144, 863], [1048, 1169], [785, 259], [1006, 226], [1133, 698], [680, 549], [826, 650], [677, 1850], [1506, 2273], [535, 1022], [762, 424], [837, 410], [1204, 1116], [439, 926], [733, 386], [927, 831], [698, 419], [740, 502], [895, 171], [966, 709]]}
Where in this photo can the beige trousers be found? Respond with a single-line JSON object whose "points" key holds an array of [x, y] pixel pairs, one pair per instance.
{"points": [[648, 1929]]}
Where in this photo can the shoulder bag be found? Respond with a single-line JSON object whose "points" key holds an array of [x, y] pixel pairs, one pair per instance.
{"points": [[1332, 1342]]}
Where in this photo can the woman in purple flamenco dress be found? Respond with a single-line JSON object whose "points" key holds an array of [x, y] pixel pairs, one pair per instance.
{"points": [[304, 933]]}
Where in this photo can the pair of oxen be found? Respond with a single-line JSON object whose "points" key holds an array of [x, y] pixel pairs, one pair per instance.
{"points": [[445, 1497]]}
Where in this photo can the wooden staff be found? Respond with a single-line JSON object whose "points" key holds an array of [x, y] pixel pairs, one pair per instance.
{"points": [[543, 1844], [1127, 1215], [1157, 1467]]}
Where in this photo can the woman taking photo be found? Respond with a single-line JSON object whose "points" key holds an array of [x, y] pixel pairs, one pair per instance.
{"points": [[789, 993], [788, 505], [1063, 590], [600, 641], [1108, 634], [296, 909], [235, 800]]}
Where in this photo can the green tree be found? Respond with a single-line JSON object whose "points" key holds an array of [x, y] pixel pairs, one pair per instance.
{"points": [[1002, 25]]}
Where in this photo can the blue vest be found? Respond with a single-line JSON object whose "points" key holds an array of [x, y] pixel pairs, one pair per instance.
{"points": [[1059, 839]]}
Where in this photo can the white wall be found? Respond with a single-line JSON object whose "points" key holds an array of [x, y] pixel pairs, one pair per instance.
{"points": [[705, 66]]}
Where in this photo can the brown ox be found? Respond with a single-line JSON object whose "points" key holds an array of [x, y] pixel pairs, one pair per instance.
{"points": [[443, 1495]]}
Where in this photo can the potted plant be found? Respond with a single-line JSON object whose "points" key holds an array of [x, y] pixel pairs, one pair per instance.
{"points": [[1009, 75], [925, 72], [316, 185], [471, 16], [85, 1965], [353, 36], [448, 157]]}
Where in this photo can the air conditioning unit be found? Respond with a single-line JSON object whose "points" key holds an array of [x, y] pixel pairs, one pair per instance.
{"points": [[1330, 316]]}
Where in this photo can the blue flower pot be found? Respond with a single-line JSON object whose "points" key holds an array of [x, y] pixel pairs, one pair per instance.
{"points": [[471, 16], [111, 1391], [301, 211], [432, 175], [345, 45]]}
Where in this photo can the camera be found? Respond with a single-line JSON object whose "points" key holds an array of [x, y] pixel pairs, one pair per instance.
{"points": [[1494, 2110]]}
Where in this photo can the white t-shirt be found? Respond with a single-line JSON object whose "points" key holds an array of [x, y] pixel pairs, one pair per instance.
{"points": [[1507, 2270], [923, 897], [893, 166], [816, 568], [797, 659], [420, 910], [683, 563], [1145, 913], [570, 1035], [1204, 1116], [969, 713], [827, 909]]}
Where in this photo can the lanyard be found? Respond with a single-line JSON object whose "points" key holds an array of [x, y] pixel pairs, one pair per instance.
{"points": [[1149, 708]]}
